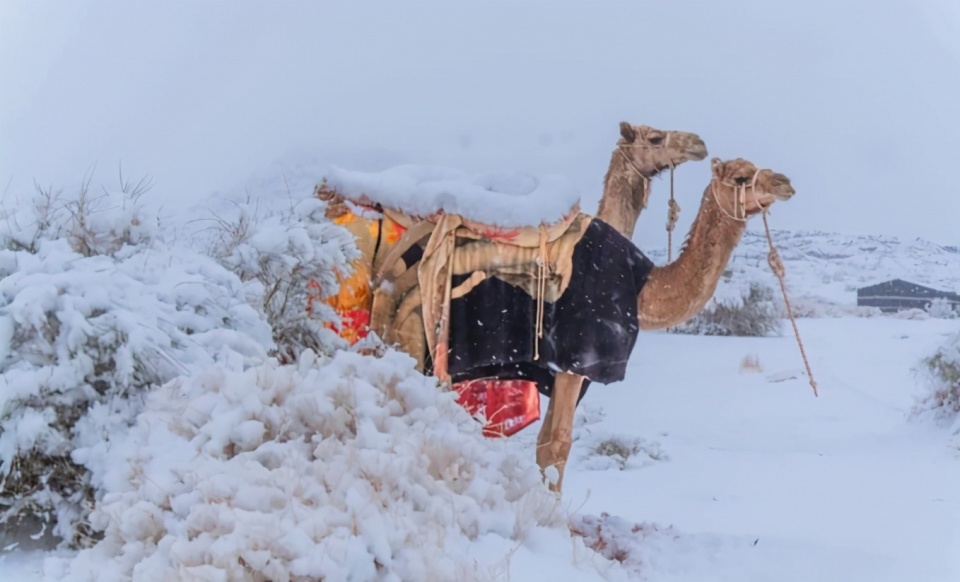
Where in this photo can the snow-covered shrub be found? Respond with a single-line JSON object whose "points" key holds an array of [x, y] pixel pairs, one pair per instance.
{"points": [[608, 451], [277, 253], [105, 224], [95, 308], [347, 467], [618, 449], [806, 306], [94, 224], [617, 539], [913, 313], [941, 375], [24, 225], [756, 313], [941, 308]]}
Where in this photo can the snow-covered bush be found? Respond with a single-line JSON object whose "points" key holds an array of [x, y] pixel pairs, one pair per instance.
{"points": [[941, 308], [96, 308], [94, 224], [912, 313], [278, 253], [941, 375], [810, 306], [608, 451], [617, 539], [756, 313], [347, 467]]}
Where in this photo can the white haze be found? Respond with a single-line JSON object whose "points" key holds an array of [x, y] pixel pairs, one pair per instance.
{"points": [[854, 100]]}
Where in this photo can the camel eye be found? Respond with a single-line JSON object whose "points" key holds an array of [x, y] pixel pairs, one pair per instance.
{"points": [[741, 180], [655, 140]]}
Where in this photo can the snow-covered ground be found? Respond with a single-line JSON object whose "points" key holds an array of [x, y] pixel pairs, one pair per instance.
{"points": [[744, 475], [765, 482], [716, 460]]}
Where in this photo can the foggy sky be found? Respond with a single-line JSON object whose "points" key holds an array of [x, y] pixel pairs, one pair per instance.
{"points": [[857, 101]]}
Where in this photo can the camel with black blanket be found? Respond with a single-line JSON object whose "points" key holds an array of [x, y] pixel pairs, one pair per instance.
{"points": [[641, 154], [557, 305]]}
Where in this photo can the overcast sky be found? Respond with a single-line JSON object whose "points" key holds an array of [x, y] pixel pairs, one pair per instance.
{"points": [[857, 101]]}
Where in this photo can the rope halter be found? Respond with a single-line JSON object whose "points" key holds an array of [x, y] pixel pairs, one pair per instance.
{"points": [[739, 211], [673, 211], [633, 166]]}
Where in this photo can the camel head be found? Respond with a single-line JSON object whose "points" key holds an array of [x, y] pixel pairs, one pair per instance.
{"points": [[742, 190], [650, 151]]}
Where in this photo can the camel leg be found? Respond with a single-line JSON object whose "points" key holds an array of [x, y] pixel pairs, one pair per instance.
{"points": [[556, 434]]}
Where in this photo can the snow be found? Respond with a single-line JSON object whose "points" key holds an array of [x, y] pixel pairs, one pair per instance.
{"points": [[353, 466], [500, 198], [339, 468], [840, 487], [758, 479]]}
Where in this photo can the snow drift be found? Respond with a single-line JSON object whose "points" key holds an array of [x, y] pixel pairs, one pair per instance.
{"points": [[343, 468], [96, 308], [146, 416]]}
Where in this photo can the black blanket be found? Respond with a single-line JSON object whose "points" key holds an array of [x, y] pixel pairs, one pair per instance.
{"points": [[590, 330]]}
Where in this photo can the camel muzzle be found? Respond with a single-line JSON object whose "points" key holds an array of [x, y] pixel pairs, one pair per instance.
{"points": [[781, 187], [697, 151]]}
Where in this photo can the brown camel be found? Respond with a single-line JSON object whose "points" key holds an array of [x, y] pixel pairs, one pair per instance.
{"points": [[668, 295], [676, 292], [642, 152]]}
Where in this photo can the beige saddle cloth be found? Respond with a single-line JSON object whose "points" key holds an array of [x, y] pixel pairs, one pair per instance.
{"points": [[411, 303]]}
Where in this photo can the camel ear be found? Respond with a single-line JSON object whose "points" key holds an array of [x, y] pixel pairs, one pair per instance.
{"points": [[716, 166], [627, 131]]}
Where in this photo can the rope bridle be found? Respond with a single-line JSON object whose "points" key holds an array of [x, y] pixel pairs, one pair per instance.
{"points": [[643, 177], [739, 211], [673, 209], [739, 214], [673, 214]]}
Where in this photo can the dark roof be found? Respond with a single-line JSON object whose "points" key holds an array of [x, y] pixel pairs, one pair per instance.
{"points": [[901, 288]]}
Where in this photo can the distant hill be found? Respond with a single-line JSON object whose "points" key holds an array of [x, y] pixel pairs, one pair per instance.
{"points": [[828, 268]]}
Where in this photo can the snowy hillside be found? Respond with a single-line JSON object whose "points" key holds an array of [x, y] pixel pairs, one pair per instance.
{"points": [[828, 268]]}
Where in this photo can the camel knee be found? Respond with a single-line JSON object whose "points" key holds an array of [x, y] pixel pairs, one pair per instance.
{"points": [[554, 450]]}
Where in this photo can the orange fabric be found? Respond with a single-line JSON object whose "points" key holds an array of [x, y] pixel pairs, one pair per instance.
{"points": [[354, 300], [352, 304], [392, 230]]}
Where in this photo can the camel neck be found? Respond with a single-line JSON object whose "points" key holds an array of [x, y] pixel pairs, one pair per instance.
{"points": [[625, 194], [683, 287]]}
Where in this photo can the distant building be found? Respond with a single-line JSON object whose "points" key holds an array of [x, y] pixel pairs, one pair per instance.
{"points": [[898, 295]]}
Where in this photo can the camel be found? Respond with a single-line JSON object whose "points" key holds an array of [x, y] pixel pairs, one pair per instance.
{"points": [[675, 292], [665, 296], [641, 154]]}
